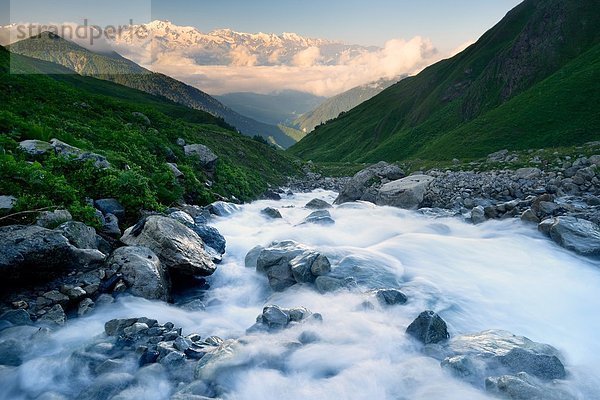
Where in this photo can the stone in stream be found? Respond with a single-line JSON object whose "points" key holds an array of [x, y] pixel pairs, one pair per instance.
{"points": [[222, 209], [274, 318], [328, 284], [478, 215], [252, 257], [318, 204], [308, 266], [16, 317], [407, 193], [319, 217], [142, 271], [271, 212], [178, 247], [493, 353], [428, 328], [576, 234], [366, 183], [390, 297], [523, 386]]}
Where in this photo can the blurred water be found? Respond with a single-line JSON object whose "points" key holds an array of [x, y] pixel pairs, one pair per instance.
{"points": [[498, 275]]}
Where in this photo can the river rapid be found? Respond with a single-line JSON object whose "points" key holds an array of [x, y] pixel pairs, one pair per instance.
{"points": [[497, 275]]}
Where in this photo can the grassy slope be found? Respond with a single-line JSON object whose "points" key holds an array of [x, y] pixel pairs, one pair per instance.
{"points": [[114, 68], [46, 106], [447, 101]]}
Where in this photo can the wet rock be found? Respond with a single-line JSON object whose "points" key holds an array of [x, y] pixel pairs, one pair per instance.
{"points": [[575, 234], [308, 266], [407, 193], [79, 234], [74, 293], [107, 386], [478, 215], [366, 183], [319, 217], [328, 284], [428, 328], [205, 156], [142, 272], [492, 353], [85, 306], [116, 327], [12, 352], [16, 317], [222, 209], [221, 358], [52, 219], [271, 195], [55, 315], [390, 297], [178, 247], [522, 386], [182, 217], [274, 261], [529, 216], [252, 257], [271, 213], [274, 317], [318, 204], [56, 297], [110, 206], [211, 237]]}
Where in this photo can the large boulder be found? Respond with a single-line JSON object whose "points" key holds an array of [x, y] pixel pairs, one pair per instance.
{"points": [[142, 272], [66, 150], [178, 247], [287, 263], [495, 353], [523, 386], [428, 328], [35, 147], [222, 208], [319, 217], [211, 237], [52, 219], [407, 193], [365, 184], [318, 204], [576, 234], [207, 159], [33, 253]]}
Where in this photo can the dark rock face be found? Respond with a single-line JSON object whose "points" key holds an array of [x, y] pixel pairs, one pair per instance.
{"points": [[318, 204], [428, 328], [272, 213], [211, 237], [390, 297], [32, 254], [178, 247], [365, 184], [110, 206], [274, 318]]}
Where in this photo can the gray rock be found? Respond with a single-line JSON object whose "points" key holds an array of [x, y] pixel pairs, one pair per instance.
{"points": [[116, 327], [222, 209], [528, 173], [221, 358], [142, 272], [107, 386], [55, 315], [390, 297], [178, 247], [407, 193], [11, 352], [274, 261], [252, 257], [319, 217], [329, 284], [174, 168], [478, 215], [57, 297], [7, 203], [271, 213], [79, 234], [274, 317], [32, 253], [529, 216], [491, 353], [522, 386], [66, 150], [181, 142], [575, 234], [318, 204], [110, 226], [110, 206], [35, 147], [428, 328], [52, 219], [365, 184], [85, 306], [206, 157], [308, 265], [182, 217], [211, 237]]}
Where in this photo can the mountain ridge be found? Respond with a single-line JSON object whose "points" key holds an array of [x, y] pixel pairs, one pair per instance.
{"points": [[531, 44]]}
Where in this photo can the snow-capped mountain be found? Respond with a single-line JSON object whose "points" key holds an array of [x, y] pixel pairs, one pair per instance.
{"points": [[227, 47]]}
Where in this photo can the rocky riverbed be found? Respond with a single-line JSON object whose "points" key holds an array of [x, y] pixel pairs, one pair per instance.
{"points": [[446, 289]]}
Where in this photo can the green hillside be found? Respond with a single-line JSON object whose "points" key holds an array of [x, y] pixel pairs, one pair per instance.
{"points": [[532, 81], [112, 67], [100, 116]]}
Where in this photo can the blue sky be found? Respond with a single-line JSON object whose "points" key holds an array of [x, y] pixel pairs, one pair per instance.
{"points": [[367, 22]]}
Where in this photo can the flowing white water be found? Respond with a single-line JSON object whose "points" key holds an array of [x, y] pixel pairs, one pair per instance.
{"points": [[498, 275]]}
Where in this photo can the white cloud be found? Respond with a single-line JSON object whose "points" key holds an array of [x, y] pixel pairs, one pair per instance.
{"points": [[242, 57], [307, 57]]}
